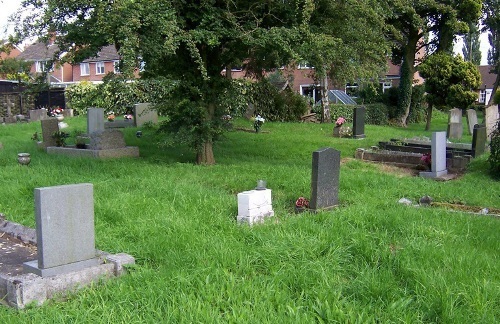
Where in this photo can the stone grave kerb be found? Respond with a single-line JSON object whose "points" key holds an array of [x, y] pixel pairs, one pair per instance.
{"points": [[65, 230], [325, 178]]}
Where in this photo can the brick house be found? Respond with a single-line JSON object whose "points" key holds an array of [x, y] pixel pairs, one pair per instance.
{"points": [[487, 80], [95, 68]]}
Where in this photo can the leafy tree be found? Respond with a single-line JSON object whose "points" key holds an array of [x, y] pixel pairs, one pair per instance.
{"points": [[188, 41], [448, 80], [412, 22], [491, 22], [471, 48], [15, 69]]}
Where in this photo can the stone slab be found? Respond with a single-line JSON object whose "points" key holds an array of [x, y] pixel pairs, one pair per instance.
{"points": [[129, 151], [64, 224], [471, 120], [107, 140], [325, 178], [38, 114], [33, 267], [95, 120], [144, 113], [358, 126], [490, 119], [49, 127]]}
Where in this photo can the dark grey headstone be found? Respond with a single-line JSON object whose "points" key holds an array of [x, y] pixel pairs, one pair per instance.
{"points": [[479, 139], [358, 125], [107, 140], [325, 178], [64, 229], [49, 127]]}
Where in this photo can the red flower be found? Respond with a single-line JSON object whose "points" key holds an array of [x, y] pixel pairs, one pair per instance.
{"points": [[302, 203]]}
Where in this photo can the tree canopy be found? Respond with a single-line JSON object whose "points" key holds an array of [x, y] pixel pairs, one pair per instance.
{"points": [[491, 23]]}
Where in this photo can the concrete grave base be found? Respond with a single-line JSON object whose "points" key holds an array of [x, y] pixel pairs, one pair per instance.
{"points": [[28, 288], [432, 174], [129, 151], [32, 267]]}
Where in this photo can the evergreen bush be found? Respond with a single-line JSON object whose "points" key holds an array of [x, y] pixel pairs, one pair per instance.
{"points": [[494, 158]]}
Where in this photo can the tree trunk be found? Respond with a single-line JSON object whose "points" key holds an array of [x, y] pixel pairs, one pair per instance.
{"points": [[429, 117], [205, 155], [325, 116], [406, 78]]}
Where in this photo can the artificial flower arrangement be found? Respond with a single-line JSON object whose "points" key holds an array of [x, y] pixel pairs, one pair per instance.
{"points": [[302, 203], [128, 117], [340, 121], [111, 116], [56, 111], [426, 159], [258, 123]]}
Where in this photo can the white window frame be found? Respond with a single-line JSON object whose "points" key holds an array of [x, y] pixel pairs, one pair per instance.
{"points": [[386, 85], [84, 69], [304, 65], [307, 86], [116, 66], [40, 66], [99, 68], [482, 96], [351, 86]]}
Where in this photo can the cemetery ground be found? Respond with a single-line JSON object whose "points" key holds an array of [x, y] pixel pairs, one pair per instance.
{"points": [[368, 260]]}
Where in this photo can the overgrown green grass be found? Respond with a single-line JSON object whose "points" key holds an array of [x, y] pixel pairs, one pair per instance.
{"points": [[369, 260]]}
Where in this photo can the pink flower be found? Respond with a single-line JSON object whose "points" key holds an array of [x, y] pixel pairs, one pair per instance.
{"points": [[340, 121]]}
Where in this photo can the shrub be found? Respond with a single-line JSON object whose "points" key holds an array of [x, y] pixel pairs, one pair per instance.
{"points": [[496, 98], [494, 158], [376, 114], [390, 99], [81, 96]]}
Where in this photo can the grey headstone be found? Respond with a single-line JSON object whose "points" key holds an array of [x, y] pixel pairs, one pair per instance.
{"points": [[479, 139], [358, 125], [64, 229], [38, 114], [95, 120], [490, 119], [438, 156], [471, 119], [325, 178], [49, 127], [455, 127], [106, 140], [144, 113]]}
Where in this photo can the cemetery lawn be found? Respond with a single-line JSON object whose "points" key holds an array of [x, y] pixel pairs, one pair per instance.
{"points": [[371, 260]]}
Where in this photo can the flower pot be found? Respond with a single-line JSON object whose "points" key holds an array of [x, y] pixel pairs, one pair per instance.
{"points": [[24, 158], [337, 131], [299, 210], [59, 117]]}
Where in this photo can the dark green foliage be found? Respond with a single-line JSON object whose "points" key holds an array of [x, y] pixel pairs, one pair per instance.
{"points": [[370, 93], [274, 105], [376, 114], [494, 157], [496, 98], [418, 106]]}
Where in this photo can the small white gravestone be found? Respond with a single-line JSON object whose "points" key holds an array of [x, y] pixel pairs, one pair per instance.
{"points": [[254, 206]]}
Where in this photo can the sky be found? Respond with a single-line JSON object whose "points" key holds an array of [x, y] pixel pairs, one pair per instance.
{"points": [[10, 6]]}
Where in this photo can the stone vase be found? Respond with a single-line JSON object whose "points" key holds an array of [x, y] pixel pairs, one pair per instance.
{"points": [[60, 117], [23, 158], [337, 131]]}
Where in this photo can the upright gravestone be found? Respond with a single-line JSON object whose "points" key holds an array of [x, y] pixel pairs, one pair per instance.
{"points": [[358, 126], [38, 114], [455, 128], [471, 120], [325, 178], [49, 127], [95, 120], [64, 230], [478, 140], [438, 156], [490, 119], [144, 113]]}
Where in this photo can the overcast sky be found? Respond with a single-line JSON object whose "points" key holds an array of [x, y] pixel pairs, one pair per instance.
{"points": [[10, 6]]}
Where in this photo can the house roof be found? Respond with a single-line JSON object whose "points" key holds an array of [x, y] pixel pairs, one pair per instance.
{"points": [[107, 53], [487, 78], [39, 52]]}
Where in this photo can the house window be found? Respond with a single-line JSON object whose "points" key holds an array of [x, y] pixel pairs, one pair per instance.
{"points": [[352, 90], [311, 91], [40, 66], [386, 85], [84, 69], [482, 96], [99, 68], [304, 65], [116, 66]]}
